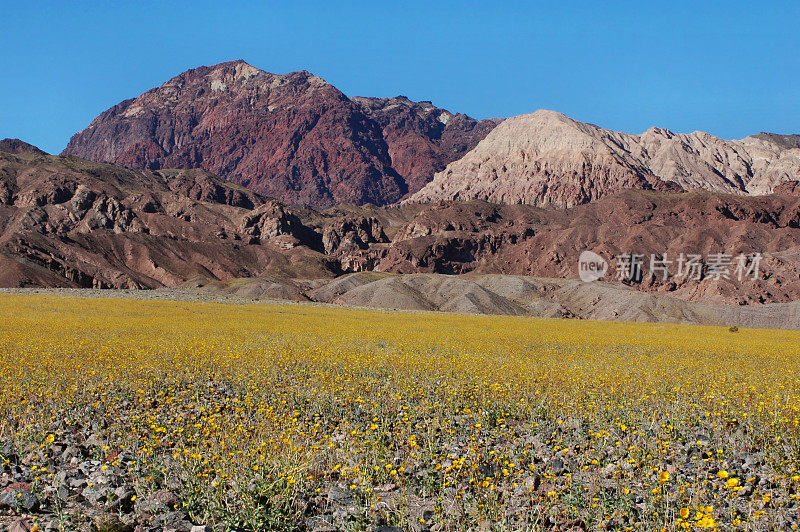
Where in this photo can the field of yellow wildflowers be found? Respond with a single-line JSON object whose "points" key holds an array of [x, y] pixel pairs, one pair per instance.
{"points": [[167, 414]]}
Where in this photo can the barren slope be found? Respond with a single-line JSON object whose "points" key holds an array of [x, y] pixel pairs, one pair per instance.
{"points": [[69, 222], [509, 295], [546, 158], [293, 137]]}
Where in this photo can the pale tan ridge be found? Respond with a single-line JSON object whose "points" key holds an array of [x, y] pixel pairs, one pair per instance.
{"points": [[548, 159]]}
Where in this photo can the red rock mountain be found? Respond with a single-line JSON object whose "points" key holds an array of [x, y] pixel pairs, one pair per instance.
{"points": [[422, 139], [68, 222], [481, 237], [65, 221], [293, 137], [18, 146]]}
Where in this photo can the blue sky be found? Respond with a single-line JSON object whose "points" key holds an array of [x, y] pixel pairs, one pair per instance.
{"points": [[730, 68]]}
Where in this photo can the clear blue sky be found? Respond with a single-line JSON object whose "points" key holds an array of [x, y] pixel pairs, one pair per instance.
{"points": [[730, 68]]}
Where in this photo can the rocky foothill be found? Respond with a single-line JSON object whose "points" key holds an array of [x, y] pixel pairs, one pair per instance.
{"points": [[68, 222], [228, 171]]}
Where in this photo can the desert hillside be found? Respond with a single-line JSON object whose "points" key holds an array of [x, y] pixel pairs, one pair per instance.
{"points": [[548, 159]]}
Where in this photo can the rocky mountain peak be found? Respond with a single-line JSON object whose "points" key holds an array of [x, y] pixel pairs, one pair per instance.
{"points": [[291, 136], [546, 158]]}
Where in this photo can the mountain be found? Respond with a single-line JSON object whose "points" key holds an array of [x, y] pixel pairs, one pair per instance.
{"points": [[422, 138], [548, 159], [783, 141], [292, 137], [18, 146], [69, 222], [298, 139], [480, 237]]}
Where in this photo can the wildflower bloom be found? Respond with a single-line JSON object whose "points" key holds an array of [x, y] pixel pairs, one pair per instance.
{"points": [[294, 402]]}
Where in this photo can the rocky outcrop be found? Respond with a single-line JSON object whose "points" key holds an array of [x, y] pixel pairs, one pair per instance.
{"points": [[201, 185], [65, 221], [69, 222], [17, 146], [293, 137], [274, 221], [422, 138], [548, 159], [481, 237], [357, 243], [348, 234], [787, 142]]}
